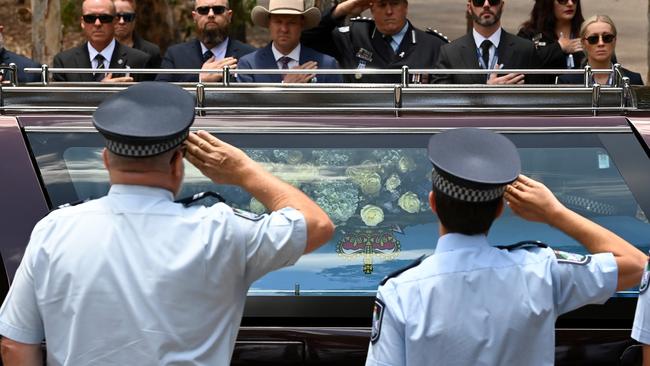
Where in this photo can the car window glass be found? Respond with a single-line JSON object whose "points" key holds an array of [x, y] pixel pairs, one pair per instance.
{"points": [[377, 196]]}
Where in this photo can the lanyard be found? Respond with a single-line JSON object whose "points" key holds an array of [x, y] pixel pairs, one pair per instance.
{"points": [[482, 63]]}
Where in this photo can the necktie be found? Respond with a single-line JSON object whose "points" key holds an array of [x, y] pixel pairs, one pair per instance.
{"points": [[207, 55], [389, 40], [485, 52], [100, 65], [284, 62]]}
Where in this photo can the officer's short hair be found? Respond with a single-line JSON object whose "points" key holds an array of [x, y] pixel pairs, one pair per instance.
{"points": [[462, 217]]}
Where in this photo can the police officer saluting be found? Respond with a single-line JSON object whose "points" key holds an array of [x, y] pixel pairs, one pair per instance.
{"points": [[389, 41], [134, 278], [474, 304]]}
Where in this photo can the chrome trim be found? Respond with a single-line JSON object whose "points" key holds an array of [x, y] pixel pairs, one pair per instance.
{"points": [[353, 130]]}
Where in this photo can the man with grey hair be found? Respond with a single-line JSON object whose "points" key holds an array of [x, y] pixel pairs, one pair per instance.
{"points": [[212, 49]]}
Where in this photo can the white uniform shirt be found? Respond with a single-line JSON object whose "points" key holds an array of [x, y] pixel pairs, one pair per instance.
{"points": [[474, 304], [641, 327], [135, 279]]}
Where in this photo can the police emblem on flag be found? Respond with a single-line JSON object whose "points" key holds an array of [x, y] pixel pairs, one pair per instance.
{"points": [[377, 315], [645, 279]]}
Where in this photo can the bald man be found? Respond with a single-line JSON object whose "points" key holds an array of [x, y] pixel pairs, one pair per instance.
{"points": [[101, 51]]}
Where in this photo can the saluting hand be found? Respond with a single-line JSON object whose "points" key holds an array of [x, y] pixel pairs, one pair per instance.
{"points": [[532, 200], [212, 64], [301, 78], [351, 8], [218, 160]]}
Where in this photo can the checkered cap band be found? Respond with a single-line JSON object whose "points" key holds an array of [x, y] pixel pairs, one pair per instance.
{"points": [[126, 149], [465, 194]]}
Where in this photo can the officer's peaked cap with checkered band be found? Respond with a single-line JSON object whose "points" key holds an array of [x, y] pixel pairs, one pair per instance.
{"points": [[473, 165], [146, 119]]}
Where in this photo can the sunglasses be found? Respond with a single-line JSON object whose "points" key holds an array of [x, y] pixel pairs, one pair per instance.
{"points": [[216, 9], [478, 3], [127, 17], [564, 2], [103, 18], [607, 38]]}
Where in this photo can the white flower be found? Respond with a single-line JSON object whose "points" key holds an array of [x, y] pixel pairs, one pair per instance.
{"points": [[372, 215]]}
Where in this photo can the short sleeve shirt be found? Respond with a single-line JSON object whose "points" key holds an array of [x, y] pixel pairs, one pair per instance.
{"points": [[641, 327], [474, 304], [136, 279]]}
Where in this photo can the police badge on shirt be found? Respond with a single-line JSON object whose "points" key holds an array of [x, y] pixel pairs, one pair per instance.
{"points": [[377, 316]]}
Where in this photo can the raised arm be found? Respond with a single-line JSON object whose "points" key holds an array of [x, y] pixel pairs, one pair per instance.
{"points": [[533, 201], [226, 164]]}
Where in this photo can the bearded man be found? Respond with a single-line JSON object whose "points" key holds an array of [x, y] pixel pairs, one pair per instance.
{"points": [[212, 48], [488, 46]]}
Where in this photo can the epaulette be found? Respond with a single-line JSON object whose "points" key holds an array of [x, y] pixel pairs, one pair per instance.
{"points": [[186, 201], [73, 203], [437, 34], [523, 244], [361, 19], [415, 263]]}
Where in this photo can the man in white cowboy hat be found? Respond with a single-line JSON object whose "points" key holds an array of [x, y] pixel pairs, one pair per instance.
{"points": [[286, 19]]}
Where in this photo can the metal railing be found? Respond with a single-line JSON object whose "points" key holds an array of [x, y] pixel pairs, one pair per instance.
{"points": [[394, 98]]}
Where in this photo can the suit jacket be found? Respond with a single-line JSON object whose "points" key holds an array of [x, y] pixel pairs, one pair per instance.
{"points": [[188, 55], [8, 57], [514, 53], [360, 45], [149, 48], [551, 54], [635, 78], [123, 56], [264, 59]]}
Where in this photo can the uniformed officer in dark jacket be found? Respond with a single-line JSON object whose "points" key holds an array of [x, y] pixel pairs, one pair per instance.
{"points": [[389, 41]]}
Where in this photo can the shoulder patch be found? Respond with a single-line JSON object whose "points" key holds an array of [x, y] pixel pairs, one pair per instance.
{"points": [[645, 279], [437, 34], [523, 245], [415, 263], [572, 258], [247, 215], [377, 317], [345, 29]]}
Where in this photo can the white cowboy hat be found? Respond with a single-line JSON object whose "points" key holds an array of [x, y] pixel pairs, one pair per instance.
{"points": [[260, 15]]}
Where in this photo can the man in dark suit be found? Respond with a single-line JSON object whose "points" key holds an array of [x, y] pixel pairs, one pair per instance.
{"points": [[125, 32], [389, 41], [488, 46], [212, 49], [101, 51], [7, 57], [285, 20]]}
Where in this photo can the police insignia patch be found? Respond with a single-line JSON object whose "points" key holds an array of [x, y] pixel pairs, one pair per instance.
{"points": [[573, 258], [246, 215], [377, 316], [645, 279]]}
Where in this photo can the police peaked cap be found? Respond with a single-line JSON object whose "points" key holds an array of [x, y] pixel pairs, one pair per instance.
{"points": [[473, 165], [146, 119]]}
